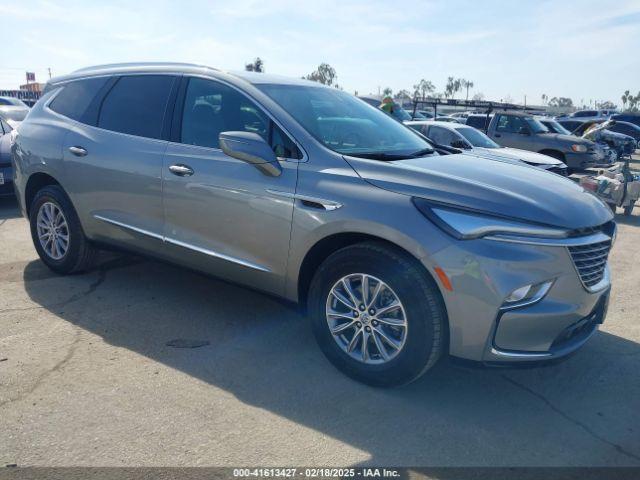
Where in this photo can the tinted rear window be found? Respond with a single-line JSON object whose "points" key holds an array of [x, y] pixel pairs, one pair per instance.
{"points": [[76, 96], [136, 105]]}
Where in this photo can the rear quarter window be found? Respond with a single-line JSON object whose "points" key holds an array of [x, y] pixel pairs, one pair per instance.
{"points": [[75, 97]]}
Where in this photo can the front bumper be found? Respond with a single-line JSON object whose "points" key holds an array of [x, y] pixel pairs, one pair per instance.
{"points": [[484, 272], [596, 159]]}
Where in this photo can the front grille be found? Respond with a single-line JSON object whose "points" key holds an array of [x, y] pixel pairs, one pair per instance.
{"points": [[591, 261]]}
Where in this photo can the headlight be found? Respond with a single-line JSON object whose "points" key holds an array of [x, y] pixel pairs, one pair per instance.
{"points": [[467, 224], [578, 148]]}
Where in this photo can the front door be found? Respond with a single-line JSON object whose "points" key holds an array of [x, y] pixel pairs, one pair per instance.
{"points": [[224, 215], [512, 131]]}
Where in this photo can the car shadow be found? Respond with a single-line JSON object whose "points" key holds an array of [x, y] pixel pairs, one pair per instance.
{"points": [[9, 208], [583, 411]]}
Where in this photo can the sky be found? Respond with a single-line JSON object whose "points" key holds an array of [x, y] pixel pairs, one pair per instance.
{"points": [[583, 49]]}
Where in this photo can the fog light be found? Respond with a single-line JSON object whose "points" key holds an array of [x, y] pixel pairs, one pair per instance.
{"points": [[527, 294]]}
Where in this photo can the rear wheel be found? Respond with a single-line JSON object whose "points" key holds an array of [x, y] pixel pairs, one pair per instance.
{"points": [[377, 315], [57, 234]]}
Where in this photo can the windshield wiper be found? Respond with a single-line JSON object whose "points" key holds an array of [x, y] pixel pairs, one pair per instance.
{"points": [[420, 153], [380, 156]]}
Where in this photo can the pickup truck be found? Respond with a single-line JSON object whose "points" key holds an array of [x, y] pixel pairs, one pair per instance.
{"points": [[521, 130]]}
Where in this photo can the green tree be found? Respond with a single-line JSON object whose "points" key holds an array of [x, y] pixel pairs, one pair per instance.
{"points": [[387, 92], [625, 99], [256, 66], [466, 84], [453, 86], [324, 74], [423, 88], [402, 95]]}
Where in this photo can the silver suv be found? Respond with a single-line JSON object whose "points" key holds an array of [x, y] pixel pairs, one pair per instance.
{"points": [[399, 254]]}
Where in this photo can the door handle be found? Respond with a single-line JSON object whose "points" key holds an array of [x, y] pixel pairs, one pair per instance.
{"points": [[78, 151], [181, 170]]}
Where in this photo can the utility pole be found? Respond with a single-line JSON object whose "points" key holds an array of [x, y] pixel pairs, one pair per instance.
{"points": [[49, 69]]}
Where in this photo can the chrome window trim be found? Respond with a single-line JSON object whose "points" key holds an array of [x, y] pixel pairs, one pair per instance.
{"points": [[186, 245]]}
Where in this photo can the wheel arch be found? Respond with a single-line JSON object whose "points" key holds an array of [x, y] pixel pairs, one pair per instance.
{"points": [[35, 183], [324, 247]]}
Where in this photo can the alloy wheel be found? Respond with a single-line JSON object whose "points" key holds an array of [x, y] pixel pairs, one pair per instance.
{"points": [[366, 318], [53, 230]]}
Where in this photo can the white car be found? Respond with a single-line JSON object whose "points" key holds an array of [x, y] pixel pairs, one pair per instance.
{"points": [[13, 110], [465, 137]]}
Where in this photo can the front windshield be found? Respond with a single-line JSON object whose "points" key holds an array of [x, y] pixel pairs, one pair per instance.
{"points": [[477, 138], [555, 127], [346, 124], [535, 125]]}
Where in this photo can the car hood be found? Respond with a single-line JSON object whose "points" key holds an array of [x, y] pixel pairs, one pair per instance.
{"points": [[494, 185], [532, 158], [568, 139]]}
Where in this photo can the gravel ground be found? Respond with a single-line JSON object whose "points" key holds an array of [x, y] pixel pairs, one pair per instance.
{"points": [[86, 379]]}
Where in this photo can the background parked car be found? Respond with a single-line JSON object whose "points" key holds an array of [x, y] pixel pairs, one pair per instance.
{"points": [[468, 138], [627, 117], [590, 115], [446, 118], [479, 121], [6, 171], [554, 126], [13, 110], [626, 128], [623, 144], [519, 129]]}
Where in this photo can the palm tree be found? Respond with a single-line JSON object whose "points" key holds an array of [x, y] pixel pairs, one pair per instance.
{"points": [[466, 84], [625, 99]]}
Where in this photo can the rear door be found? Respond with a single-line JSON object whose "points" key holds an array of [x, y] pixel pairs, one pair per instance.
{"points": [[224, 215], [113, 160]]}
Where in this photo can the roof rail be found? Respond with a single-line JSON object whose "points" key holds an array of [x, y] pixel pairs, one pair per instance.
{"points": [[141, 64]]}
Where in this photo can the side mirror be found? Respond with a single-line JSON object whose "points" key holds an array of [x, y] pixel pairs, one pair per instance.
{"points": [[251, 148], [524, 131], [460, 144]]}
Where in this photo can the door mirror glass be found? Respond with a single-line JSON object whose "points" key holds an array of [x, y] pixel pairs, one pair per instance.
{"points": [[251, 148]]}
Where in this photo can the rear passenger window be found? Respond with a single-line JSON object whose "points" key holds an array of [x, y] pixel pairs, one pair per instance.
{"points": [[75, 97], [136, 105], [211, 108]]}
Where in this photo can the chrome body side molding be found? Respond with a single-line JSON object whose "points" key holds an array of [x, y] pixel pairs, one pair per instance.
{"points": [[179, 243]]}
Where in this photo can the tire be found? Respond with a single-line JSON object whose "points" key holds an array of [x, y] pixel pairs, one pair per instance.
{"points": [[79, 253], [422, 308]]}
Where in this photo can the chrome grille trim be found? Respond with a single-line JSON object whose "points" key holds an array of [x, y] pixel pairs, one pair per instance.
{"points": [[590, 262]]}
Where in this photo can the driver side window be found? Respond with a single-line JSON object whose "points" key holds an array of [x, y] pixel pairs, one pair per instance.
{"points": [[211, 107], [510, 124]]}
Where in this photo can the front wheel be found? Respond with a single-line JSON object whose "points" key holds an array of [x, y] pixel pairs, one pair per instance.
{"points": [[377, 315]]}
